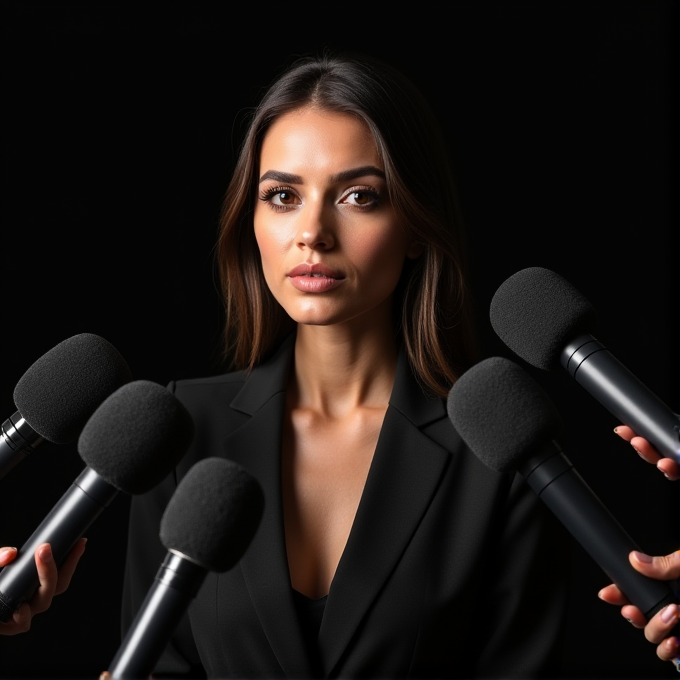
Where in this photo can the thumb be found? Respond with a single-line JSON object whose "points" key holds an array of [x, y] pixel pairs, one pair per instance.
{"points": [[662, 567]]}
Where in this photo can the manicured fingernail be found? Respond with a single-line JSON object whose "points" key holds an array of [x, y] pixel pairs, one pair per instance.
{"points": [[641, 557], [670, 613], [7, 551], [45, 554]]}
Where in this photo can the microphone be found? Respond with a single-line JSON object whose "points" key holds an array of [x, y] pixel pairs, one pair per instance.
{"points": [[510, 424], [58, 393], [130, 443], [206, 526], [547, 322]]}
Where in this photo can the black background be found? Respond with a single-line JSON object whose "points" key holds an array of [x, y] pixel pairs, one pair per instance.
{"points": [[119, 129]]}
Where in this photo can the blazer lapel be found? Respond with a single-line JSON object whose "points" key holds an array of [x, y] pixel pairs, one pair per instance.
{"points": [[404, 474], [256, 446], [406, 468]]}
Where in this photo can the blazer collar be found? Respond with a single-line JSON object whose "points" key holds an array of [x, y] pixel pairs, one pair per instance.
{"points": [[270, 378], [404, 474], [266, 380]]}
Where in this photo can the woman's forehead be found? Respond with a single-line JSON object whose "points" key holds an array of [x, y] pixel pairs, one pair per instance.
{"points": [[311, 140]]}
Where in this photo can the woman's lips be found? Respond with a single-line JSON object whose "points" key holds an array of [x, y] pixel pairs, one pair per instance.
{"points": [[315, 278]]}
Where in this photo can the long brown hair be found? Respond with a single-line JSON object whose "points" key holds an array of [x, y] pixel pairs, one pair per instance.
{"points": [[432, 300]]}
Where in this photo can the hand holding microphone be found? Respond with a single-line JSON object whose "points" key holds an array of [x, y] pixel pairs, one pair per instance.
{"points": [[669, 468], [52, 582], [665, 568], [547, 322], [130, 443]]}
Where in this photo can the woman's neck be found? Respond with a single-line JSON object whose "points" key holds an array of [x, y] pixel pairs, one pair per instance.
{"points": [[339, 368]]}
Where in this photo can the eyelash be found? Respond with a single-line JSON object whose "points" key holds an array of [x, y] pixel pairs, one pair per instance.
{"points": [[267, 194]]}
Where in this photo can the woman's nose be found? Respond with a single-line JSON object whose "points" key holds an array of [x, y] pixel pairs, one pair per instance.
{"points": [[315, 231]]}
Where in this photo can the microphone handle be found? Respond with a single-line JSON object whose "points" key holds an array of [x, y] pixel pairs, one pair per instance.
{"points": [[552, 476], [173, 589], [66, 523], [622, 394], [17, 441]]}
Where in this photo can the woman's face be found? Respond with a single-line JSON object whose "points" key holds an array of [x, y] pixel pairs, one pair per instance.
{"points": [[331, 246]]}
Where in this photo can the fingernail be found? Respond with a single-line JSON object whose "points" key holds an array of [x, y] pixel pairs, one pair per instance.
{"points": [[616, 430], [670, 613], [6, 551], [641, 557], [45, 554]]}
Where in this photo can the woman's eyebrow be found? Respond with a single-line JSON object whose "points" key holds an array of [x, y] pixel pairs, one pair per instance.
{"points": [[364, 170], [278, 176], [344, 176]]}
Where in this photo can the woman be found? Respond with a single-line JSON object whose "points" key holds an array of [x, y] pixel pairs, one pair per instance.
{"points": [[386, 548]]}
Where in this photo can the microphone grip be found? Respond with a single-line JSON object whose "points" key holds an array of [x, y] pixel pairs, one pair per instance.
{"points": [[66, 523], [565, 492], [17, 441], [622, 394], [173, 589]]}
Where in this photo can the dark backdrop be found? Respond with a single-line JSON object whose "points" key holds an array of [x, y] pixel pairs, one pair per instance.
{"points": [[119, 126]]}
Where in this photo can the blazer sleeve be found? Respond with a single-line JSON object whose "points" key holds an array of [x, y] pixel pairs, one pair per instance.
{"points": [[528, 581]]}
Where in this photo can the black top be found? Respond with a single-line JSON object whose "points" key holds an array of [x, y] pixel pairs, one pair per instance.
{"points": [[310, 615]]}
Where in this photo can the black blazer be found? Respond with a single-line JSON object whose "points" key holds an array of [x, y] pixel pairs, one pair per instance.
{"points": [[450, 569]]}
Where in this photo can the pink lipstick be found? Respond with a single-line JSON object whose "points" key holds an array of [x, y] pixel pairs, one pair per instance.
{"points": [[315, 278]]}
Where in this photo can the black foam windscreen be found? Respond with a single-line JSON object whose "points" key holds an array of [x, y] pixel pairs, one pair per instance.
{"points": [[61, 390], [136, 436], [213, 514], [502, 413], [536, 313]]}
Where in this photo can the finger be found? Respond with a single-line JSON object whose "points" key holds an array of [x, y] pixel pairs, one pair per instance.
{"points": [[634, 616], [19, 623], [47, 577], [645, 450], [669, 468], [7, 555], [661, 567], [612, 595], [662, 623], [105, 675], [624, 432], [69, 566]]}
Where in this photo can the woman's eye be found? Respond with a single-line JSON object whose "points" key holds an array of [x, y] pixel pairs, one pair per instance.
{"points": [[282, 198], [279, 198], [362, 198]]}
